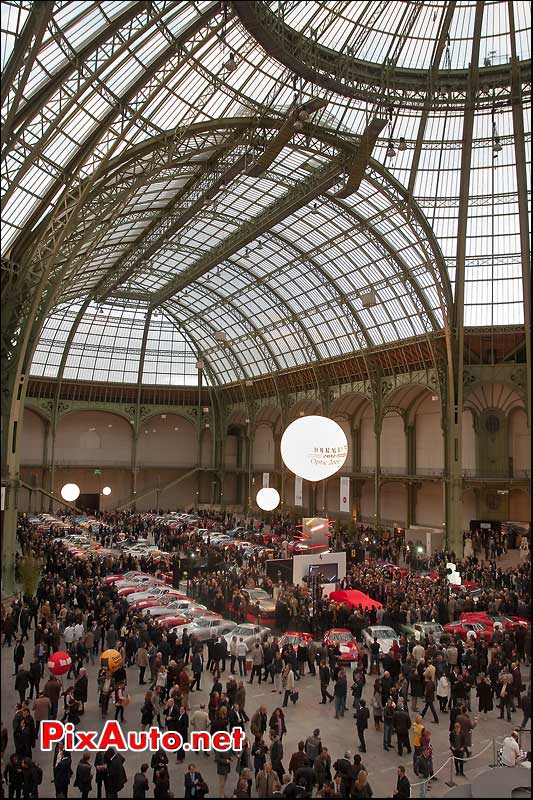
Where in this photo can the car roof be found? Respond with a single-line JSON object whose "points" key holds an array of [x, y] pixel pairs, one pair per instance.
{"points": [[375, 628]]}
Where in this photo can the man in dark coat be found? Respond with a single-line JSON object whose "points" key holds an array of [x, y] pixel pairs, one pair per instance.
{"points": [[22, 681], [402, 726], [116, 774], [361, 722]]}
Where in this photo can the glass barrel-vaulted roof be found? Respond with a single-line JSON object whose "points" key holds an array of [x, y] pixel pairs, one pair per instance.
{"points": [[128, 175], [407, 30]]}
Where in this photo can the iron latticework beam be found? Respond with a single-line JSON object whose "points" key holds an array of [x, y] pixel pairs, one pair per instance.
{"points": [[298, 196]]}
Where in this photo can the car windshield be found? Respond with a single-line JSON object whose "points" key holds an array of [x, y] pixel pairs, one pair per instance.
{"points": [[432, 628], [341, 637], [292, 639], [384, 633], [242, 631], [259, 594]]}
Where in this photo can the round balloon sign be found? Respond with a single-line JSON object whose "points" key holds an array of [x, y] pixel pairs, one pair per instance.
{"points": [[314, 447], [267, 499], [59, 663], [111, 660], [70, 492]]}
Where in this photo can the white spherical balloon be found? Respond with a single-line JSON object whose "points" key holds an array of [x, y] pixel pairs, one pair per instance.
{"points": [[267, 499], [314, 447], [70, 492], [106, 490]]}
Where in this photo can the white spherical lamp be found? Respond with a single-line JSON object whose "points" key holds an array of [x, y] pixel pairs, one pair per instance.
{"points": [[267, 499], [70, 492], [106, 490], [314, 447]]}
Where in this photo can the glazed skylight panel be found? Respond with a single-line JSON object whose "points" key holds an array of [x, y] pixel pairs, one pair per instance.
{"points": [[13, 17]]}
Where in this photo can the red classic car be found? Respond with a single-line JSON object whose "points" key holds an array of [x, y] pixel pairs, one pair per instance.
{"points": [[131, 588], [150, 602], [349, 651], [464, 628], [171, 622], [295, 638], [510, 623], [124, 577]]}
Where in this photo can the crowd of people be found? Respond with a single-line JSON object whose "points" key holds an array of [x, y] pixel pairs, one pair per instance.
{"points": [[75, 609]]}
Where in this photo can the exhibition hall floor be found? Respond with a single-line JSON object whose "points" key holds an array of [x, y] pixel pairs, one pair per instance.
{"points": [[337, 735]]}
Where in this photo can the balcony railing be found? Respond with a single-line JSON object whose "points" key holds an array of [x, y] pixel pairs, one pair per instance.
{"points": [[497, 474]]}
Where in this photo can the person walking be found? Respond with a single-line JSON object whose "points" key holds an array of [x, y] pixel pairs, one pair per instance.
{"points": [[84, 776], [41, 709], [362, 716], [484, 693], [443, 692], [374, 655], [120, 701], [324, 674], [429, 699], [223, 762], [140, 783], [265, 780], [197, 667], [402, 726], [147, 712], [458, 748], [403, 786], [418, 730], [195, 786], [340, 693], [141, 657], [388, 722], [287, 682], [376, 704], [276, 755], [525, 705], [242, 651], [423, 770], [257, 663], [361, 787], [467, 726]]}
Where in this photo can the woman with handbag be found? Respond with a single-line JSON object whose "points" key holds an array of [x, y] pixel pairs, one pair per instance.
{"points": [[277, 723], [147, 712], [259, 753]]}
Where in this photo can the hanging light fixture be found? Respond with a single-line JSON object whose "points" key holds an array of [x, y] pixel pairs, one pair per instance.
{"points": [[391, 152], [314, 447], [402, 145], [106, 490], [268, 499], [496, 144], [230, 65], [70, 492]]}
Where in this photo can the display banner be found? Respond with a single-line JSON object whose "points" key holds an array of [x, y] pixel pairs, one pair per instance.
{"points": [[266, 480], [344, 500], [3, 498], [298, 491]]}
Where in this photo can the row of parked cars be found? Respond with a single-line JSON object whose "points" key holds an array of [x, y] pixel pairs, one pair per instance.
{"points": [[177, 612]]}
